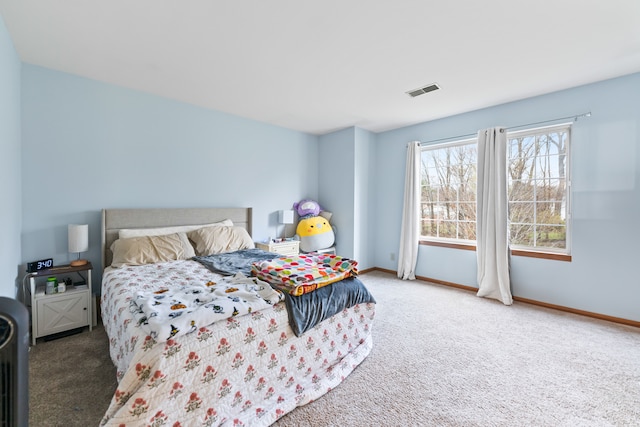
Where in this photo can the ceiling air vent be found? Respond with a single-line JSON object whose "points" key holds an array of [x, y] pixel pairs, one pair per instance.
{"points": [[423, 90]]}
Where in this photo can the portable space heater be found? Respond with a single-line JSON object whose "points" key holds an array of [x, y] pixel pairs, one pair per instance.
{"points": [[14, 363]]}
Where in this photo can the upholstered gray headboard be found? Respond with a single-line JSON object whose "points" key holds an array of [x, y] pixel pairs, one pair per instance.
{"points": [[113, 220]]}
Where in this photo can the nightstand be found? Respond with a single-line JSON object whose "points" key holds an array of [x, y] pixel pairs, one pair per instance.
{"points": [[286, 247], [59, 312]]}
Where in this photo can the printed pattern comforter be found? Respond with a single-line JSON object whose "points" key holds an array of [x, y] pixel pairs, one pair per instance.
{"points": [[243, 371]]}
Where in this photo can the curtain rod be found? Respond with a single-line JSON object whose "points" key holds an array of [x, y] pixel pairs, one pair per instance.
{"points": [[574, 117]]}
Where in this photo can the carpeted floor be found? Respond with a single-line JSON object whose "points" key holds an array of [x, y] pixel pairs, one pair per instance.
{"points": [[441, 357], [71, 380]]}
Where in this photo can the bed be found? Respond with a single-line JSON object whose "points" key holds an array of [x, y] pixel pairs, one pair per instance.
{"points": [[248, 368]]}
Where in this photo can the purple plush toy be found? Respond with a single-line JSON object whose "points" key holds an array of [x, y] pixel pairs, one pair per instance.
{"points": [[307, 208]]}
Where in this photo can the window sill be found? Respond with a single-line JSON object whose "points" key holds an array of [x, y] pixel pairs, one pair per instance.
{"points": [[451, 245], [514, 252], [543, 255]]}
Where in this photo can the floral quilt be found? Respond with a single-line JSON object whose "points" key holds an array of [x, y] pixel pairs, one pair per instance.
{"points": [[301, 274], [247, 370]]}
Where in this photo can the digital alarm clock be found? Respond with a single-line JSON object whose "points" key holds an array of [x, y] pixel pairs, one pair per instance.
{"points": [[43, 264]]}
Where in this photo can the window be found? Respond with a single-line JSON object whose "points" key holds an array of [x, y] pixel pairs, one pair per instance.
{"points": [[538, 190], [448, 191], [537, 184]]}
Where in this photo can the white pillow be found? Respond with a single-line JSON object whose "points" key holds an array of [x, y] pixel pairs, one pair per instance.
{"points": [[127, 233]]}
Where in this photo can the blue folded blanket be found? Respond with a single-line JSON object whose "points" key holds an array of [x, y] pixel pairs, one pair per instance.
{"points": [[307, 310], [230, 263]]}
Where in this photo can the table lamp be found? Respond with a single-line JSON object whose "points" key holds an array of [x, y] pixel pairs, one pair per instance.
{"points": [[285, 217], [78, 242]]}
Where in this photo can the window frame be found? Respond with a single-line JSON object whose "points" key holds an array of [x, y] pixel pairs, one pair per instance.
{"points": [[561, 254], [535, 132], [445, 240]]}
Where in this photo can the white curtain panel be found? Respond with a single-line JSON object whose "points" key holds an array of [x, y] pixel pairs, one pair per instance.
{"points": [[410, 233], [492, 234]]}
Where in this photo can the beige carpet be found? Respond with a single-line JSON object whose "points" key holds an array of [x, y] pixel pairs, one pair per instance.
{"points": [[441, 357], [71, 380]]}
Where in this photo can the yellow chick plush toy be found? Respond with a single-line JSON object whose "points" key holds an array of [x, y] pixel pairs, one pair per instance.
{"points": [[315, 233]]}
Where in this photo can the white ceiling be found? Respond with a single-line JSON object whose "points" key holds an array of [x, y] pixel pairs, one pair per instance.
{"points": [[319, 66]]}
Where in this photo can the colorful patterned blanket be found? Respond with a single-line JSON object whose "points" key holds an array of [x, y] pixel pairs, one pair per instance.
{"points": [[169, 312], [301, 274]]}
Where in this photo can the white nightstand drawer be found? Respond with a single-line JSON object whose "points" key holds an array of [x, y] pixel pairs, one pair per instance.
{"points": [[287, 248]]}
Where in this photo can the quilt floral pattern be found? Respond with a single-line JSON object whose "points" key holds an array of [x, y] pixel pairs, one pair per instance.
{"points": [[246, 370]]}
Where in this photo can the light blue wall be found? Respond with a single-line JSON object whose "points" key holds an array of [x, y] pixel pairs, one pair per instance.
{"points": [[88, 145], [345, 190], [11, 213], [603, 276], [363, 195], [336, 185]]}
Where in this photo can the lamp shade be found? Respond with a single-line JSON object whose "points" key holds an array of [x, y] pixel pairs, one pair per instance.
{"points": [[78, 238], [285, 217]]}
